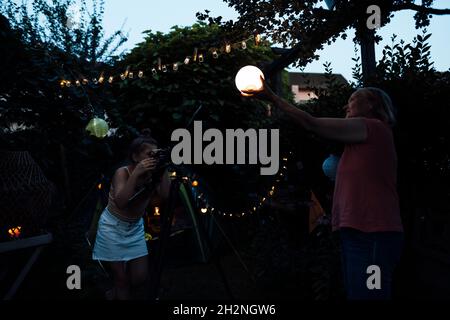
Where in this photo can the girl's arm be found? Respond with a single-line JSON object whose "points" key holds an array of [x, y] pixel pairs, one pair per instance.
{"points": [[125, 187]]}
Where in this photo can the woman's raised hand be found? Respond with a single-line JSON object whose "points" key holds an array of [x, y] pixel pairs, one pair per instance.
{"points": [[265, 94]]}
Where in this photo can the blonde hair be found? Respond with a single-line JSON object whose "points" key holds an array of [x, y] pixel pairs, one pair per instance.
{"points": [[382, 104]]}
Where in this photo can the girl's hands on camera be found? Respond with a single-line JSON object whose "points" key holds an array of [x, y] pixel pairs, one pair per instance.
{"points": [[146, 166]]}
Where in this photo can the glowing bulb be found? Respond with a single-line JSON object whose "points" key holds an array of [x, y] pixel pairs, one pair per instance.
{"points": [[257, 39], [249, 78], [186, 60], [99, 186], [85, 81], [101, 79], [228, 48], [68, 83], [154, 72], [78, 83], [62, 83], [215, 54], [204, 210], [141, 74], [175, 66], [123, 76], [271, 193], [244, 45], [200, 57], [156, 213], [111, 79], [131, 75], [195, 183], [164, 68]]}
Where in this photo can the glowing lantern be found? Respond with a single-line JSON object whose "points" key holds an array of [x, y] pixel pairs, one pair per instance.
{"points": [[97, 127], [330, 165], [15, 232], [249, 78]]}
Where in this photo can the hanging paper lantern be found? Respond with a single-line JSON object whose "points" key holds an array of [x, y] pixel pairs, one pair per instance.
{"points": [[330, 165], [97, 127], [249, 78]]}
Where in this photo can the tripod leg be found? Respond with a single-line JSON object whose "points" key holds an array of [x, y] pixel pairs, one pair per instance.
{"points": [[167, 217]]}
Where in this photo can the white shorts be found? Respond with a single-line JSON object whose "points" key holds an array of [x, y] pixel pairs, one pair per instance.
{"points": [[118, 240]]}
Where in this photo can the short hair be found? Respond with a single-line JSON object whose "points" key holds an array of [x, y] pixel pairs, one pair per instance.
{"points": [[382, 103], [136, 144]]}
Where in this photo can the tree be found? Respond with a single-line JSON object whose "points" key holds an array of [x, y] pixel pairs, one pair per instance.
{"points": [[36, 113], [198, 90], [305, 27]]}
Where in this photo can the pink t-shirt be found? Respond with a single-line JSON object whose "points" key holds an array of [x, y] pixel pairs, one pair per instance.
{"points": [[365, 195]]}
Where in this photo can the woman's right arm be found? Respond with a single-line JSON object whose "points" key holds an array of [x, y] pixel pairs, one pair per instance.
{"points": [[351, 130]]}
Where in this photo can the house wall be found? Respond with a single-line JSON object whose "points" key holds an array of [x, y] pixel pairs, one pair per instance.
{"points": [[302, 95]]}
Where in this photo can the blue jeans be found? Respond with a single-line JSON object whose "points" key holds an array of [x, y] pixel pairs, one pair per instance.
{"points": [[359, 250]]}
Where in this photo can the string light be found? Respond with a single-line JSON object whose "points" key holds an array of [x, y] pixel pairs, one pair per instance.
{"points": [[257, 39], [196, 57], [159, 64], [204, 210]]}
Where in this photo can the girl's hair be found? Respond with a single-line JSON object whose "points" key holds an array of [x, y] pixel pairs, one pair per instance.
{"points": [[136, 144], [382, 104]]}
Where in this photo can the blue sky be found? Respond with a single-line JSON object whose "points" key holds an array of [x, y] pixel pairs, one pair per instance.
{"points": [[140, 15]]}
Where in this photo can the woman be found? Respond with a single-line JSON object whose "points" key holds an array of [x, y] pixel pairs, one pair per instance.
{"points": [[120, 236], [365, 202]]}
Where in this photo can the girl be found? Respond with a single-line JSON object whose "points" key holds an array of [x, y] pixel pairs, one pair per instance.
{"points": [[120, 239]]}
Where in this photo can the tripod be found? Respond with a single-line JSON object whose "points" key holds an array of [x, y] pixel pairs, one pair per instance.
{"points": [[178, 191]]}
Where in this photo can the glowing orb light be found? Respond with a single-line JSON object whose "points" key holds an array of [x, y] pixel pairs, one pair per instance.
{"points": [[97, 127], [249, 78], [330, 165]]}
